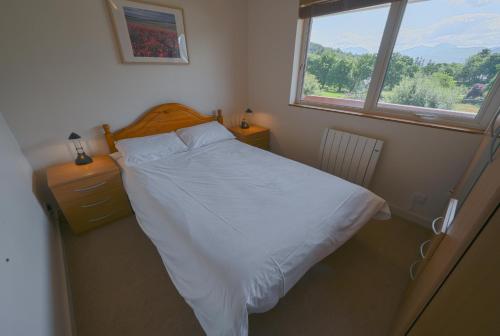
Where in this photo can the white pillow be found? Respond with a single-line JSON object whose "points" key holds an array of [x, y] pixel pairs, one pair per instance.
{"points": [[204, 134], [149, 148]]}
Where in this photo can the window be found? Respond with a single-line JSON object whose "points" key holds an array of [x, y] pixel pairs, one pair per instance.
{"points": [[339, 65], [433, 60]]}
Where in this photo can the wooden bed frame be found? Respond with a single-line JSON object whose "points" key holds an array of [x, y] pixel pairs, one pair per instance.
{"points": [[160, 119]]}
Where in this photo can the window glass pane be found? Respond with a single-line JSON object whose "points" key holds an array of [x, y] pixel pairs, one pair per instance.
{"points": [[447, 56], [341, 55]]}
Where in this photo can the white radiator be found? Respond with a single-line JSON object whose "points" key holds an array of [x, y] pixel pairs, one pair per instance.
{"points": [[349, 156]]}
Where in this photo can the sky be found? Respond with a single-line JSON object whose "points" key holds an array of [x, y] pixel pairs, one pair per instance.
{"points": [[463, 23], [139, 14]]}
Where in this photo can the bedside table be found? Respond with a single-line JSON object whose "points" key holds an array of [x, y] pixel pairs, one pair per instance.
{"points": [[90, 195], [255, 135]]}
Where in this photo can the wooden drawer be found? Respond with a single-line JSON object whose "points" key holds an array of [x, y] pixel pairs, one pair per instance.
{"points": [[96, 207], [89, 200], [89, 195], [88, 189], [264, 136], [83, 216], [95, 219], [260, 140], [93, 201], [256, 136], [264, 144]]}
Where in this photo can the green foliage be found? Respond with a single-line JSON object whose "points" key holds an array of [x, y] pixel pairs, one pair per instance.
{"points": [[399, 67], [332, 68], [444, 79], [408, 80], [311, 85], [340, 74], [339, 70], [480, 68], [489, 86], [425, 91], [452, 69], [362, 70], [320, 66]]}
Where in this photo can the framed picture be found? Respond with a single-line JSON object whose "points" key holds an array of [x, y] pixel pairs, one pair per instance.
{"points": [[149, 33]]}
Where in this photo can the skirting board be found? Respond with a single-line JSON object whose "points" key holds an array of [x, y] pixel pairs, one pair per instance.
{"points": [[66, 310], [411, 216]]}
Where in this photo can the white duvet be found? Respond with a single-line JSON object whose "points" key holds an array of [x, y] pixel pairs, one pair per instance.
{"points": [[237, 226]]}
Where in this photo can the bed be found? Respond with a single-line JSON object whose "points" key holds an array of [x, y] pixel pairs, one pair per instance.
{"points": [[237, 226]]}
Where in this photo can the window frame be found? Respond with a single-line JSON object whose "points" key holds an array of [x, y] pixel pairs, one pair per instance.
{"points": [[372, 106]]}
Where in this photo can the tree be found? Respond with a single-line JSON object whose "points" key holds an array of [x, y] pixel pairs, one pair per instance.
{"points": [[480, 68], [362, 69], [315, 68], [399, 67], [340, 73], [444, 79], [489, 86], [332, 68], [311, 85], [490, 66], [320, 66], [452, 69], [425, 91], [336, 70]]}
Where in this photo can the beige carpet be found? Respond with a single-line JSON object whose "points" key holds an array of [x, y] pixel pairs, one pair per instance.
{"points": [[120, 287]]}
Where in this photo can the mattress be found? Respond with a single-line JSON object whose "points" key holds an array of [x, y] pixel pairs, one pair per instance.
{"points": [[237, 226]]}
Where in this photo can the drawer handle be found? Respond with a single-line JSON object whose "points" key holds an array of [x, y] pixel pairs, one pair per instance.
{"points": [[412, 269], [98, 219], [422, 247], [434, 223], [95, 204], [95, 186]]}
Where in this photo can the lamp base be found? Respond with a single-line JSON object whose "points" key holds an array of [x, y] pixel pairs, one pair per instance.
{"points": [[244, 124], [83, 159]]}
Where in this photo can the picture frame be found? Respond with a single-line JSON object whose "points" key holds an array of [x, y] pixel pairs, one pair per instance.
{"points": [[149, 33]]}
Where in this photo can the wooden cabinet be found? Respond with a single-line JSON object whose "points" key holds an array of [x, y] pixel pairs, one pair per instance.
{"points": [[255, 135], [446, 256], [468, 301], [91, 195]]}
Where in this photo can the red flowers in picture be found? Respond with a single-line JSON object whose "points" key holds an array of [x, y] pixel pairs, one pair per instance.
{"points": [[148, 33], [152, 33], [153, 41]]}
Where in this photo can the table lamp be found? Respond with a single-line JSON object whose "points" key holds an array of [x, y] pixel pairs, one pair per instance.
{"points": [[244, 124], [81, 157]]}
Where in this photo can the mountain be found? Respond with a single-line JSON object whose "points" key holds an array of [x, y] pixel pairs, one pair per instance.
{"points": [[355, 50], [442, 53], [316, 48]]}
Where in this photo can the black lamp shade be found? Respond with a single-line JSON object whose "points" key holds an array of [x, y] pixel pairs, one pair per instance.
{"points": [[249, 111], [74, 136]]}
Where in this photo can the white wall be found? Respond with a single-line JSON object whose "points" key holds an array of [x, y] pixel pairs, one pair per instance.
{"points": [[414, 158], [61, 71], [32, 288]]}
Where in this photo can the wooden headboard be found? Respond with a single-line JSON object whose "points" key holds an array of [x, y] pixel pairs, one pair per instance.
{"points": [[160, 119]]}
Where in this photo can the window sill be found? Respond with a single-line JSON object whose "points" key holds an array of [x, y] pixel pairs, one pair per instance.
{"points": [[392, 118]]}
